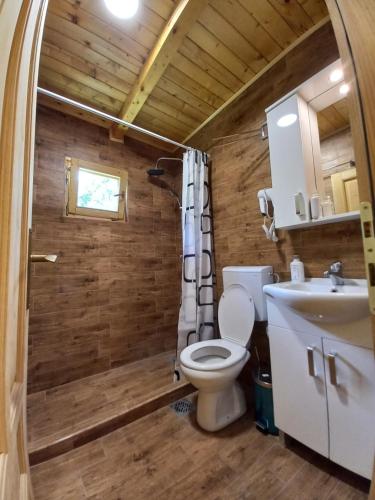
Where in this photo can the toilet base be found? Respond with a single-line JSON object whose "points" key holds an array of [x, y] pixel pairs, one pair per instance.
{"points": [[216, 410]]}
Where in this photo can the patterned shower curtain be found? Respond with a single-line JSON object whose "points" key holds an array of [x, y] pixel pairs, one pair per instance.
{"points": [[196, 319]]}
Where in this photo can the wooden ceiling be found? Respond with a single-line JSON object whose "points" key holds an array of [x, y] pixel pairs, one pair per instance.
{"points": [[175, 64], [333, 118]]}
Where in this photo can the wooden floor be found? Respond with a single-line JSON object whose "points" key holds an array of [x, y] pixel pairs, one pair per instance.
{"points": [[165, 456], [64, 417]]}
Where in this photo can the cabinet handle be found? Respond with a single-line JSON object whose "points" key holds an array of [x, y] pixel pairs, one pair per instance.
{"points": [[332, 368], [310, 361]]}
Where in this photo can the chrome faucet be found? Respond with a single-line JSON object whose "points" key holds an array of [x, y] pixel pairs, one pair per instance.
{"points": [[335, 273]]}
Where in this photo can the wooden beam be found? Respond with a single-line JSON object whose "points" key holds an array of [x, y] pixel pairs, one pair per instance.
{"points": [[251, 82], [166, 47]]}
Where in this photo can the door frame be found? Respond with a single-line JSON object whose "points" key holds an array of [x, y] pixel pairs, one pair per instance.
{"points": [[21, 27], [355, 37], [353, 27]]}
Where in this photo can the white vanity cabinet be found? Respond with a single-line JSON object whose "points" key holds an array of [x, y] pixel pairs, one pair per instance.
{"points": [[299, 397], [323, 389], [351, 405]]}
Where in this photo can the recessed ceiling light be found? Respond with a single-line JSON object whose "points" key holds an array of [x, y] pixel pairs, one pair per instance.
{"points": [[344, 89], [287, 120], [336, 75], [124, 9]]}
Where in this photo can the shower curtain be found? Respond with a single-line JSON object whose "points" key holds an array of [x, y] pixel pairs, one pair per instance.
{"points": [[196, 318]]}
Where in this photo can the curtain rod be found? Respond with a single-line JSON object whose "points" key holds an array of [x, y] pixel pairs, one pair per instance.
{"points": [[106, 116]]}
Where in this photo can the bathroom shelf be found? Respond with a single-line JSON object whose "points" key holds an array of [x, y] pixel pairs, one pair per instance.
{"points": [[325, 220]]}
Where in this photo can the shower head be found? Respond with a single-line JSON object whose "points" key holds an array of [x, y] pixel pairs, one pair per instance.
{"points": [[155, 172]]}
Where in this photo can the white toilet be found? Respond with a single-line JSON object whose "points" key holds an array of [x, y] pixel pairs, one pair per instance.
{"points": [[212, 366]]}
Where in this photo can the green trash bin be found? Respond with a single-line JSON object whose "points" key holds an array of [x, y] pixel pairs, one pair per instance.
{"points": [[264, 417]]}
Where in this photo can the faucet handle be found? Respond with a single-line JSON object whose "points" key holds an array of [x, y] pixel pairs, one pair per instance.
{"points": [[336, 267]]}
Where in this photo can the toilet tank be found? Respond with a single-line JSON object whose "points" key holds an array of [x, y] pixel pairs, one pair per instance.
{"points": [[252, 278]]}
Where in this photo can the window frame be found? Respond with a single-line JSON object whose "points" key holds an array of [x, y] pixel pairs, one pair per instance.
{"points": [[72, 166]]}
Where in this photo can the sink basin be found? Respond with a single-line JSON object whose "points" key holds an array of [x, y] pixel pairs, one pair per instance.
{"points": [[317, 300]]}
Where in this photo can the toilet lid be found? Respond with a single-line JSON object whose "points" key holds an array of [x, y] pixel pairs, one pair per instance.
{"points": [[236, 315]]}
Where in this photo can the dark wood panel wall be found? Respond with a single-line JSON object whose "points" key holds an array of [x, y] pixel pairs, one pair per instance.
{"points": [[113, 295], [239, 170]]}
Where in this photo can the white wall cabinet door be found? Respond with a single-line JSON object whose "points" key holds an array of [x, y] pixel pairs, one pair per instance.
{"points": [[351, 405], [299, 391], [292, 161]]}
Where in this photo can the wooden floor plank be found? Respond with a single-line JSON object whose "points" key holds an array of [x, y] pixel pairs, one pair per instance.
{"points": [[72, 414], [167, 456]]}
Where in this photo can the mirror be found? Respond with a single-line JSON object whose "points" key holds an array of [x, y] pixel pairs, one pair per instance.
{"points": [[314, 178], [340, 185]]}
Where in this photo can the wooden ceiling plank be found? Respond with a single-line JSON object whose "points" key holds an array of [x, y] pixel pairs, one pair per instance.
{"points": [[178, 104], [249, 27], [219, 91], [153, 123], [324, 126], [144, 27], [64, 85], [164, 8], [316, 9], [79, 64], [97, 44], [210, 65], [182, 93], [213, 46], [271, 20], [163, 107], [44, 100], [214, 22], [333, 117], [62, 68], [342, 107], [293, 14], [63, 81], [282, 54], [90, 56], [161, 55], [168, 120], [95, 26], [191, 86]]}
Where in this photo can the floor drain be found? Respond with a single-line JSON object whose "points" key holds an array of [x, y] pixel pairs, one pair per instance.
{"points": [[182, 407]]}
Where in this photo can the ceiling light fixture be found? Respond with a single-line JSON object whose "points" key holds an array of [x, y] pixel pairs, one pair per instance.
{"points": [[336, 75], [124, 9], [287, 120], [344, 89]]}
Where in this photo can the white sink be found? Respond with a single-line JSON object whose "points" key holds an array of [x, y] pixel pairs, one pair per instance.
{"points": [[317, 300]]}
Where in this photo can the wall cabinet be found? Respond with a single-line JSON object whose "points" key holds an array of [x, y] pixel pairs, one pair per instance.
{"points": [[324, 395], [299, 124]]}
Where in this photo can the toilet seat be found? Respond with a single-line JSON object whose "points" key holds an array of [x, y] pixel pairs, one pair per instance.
{"points": [[210, 355], [236, 315]]}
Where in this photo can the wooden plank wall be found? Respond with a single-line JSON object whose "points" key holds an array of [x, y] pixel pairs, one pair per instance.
{"points": [[241, 169], [113, 295]]}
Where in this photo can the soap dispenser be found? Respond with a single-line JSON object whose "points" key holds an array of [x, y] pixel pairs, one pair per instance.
{"points": [[297, 269]]}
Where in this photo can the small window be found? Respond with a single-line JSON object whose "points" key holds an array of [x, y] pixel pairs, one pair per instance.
{"points": [[95, 190]]}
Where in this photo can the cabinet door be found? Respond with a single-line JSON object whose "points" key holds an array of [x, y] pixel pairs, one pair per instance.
{"points": [[351, 405], [299, 392]]}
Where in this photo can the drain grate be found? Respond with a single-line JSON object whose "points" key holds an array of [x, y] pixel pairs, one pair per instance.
{"points": [[183, 407]]}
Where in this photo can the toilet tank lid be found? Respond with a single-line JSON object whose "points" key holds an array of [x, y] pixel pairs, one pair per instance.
{"points": [[247, 269]]}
